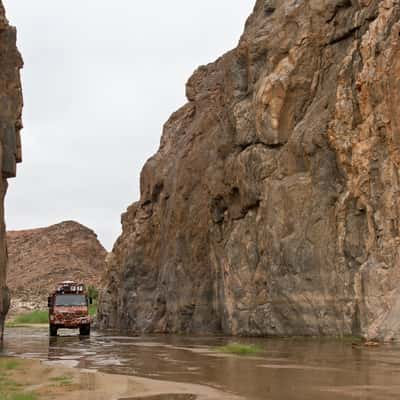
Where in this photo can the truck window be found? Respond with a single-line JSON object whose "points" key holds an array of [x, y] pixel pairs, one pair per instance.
{"points": [[70, 300]]}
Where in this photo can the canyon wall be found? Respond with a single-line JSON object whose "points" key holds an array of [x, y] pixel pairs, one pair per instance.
{"points": [[272, 205], [10, 141]]}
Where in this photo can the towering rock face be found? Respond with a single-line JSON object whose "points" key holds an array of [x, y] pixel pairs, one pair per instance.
{"points": [[10, 143], [272, 206], [41, 258]]}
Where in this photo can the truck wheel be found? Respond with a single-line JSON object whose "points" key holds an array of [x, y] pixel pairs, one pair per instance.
{"points": [[84, 330], [53, 330]]}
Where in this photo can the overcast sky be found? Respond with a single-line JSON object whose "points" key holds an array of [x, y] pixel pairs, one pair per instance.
{"points": [[100, 79]]}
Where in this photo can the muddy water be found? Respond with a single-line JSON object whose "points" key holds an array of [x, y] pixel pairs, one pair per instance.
{"points": [[284, 370]]}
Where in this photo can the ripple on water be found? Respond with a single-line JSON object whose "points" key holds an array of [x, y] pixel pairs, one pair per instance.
{"points": [[287, 369]]}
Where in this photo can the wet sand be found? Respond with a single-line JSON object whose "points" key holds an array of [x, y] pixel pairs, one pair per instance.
{"points": [[50, 382]]}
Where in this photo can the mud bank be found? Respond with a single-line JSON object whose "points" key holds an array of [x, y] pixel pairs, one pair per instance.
{"points": [[40, 380]]}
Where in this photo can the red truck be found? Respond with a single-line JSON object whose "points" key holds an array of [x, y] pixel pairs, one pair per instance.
{"points": [[69, 308]]}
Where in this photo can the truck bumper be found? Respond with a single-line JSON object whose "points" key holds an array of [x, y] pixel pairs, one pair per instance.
{"points": [[72, 324]]}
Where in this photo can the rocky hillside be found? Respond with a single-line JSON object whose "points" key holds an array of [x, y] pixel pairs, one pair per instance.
{"points": [[272, 206], [40, 258], [10, 141]]}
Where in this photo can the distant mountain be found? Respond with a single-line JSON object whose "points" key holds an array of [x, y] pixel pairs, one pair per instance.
{"points": [[39, 258]]}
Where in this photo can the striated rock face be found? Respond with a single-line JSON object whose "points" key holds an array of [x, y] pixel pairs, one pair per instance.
{"points": [[40, 258], [272, 206], [10, 141]]}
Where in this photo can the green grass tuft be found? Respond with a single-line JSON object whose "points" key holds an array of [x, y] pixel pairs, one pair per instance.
{"points": [[240, 349], [11, 324], [8, 385], [21, 396], [8, 364], [60, 378], [9, 389], [35, 317], [63, 380]]}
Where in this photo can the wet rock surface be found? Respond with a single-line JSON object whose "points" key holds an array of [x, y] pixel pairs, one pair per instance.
{"points": [[41, 258], [272, 207], [10, 140]]}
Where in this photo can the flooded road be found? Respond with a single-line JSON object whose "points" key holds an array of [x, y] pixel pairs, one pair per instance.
{"points": [[286, 369]]}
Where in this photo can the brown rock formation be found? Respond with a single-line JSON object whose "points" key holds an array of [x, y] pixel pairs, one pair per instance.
{"points": [[272, 205], [40, 258], [10, 142]]}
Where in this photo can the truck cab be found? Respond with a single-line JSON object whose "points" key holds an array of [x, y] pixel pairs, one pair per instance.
{"points": [[69, 308]]}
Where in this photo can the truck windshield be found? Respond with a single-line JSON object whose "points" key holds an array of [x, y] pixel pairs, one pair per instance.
{"points": [[70, 300]]}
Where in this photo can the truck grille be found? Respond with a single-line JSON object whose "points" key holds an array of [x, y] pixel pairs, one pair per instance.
{"points": [[69, 316]]}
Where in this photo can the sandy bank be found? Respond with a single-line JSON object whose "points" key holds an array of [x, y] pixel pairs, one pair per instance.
{"points": [[47, 381]]}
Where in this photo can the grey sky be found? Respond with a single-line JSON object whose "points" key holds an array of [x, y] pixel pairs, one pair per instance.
{"points": [[100, 79]]}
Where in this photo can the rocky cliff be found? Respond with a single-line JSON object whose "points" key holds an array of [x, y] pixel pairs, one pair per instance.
{"points": [[40, 258], [272, 206], [10, 142]]}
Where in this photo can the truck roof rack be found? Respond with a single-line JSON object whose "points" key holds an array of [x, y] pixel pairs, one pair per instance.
{"points": [[70, 287]]}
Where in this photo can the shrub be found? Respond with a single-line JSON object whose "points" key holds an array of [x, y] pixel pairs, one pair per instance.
{"points": [[93, 293]]}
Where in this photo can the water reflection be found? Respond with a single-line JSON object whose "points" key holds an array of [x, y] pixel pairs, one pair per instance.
{"points": [[285, 369]]}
